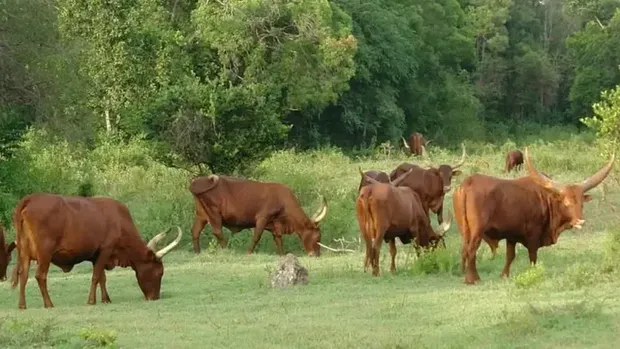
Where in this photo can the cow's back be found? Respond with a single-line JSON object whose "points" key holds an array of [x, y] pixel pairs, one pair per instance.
{"points": [[73, 228]]}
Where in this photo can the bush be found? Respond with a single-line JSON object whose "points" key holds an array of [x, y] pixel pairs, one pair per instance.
{"points": [[530, 277]]}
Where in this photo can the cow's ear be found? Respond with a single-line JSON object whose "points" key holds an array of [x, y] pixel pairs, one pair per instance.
{"points": [[587, 198], [456, 173], [11, 247]]}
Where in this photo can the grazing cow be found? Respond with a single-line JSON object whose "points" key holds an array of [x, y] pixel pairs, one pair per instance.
{"points": [[67, 230], [431, 184], [417, 144], [513, 159], [376, 175], [5, 254], [532, 211], [385, 212], [239, 204]]}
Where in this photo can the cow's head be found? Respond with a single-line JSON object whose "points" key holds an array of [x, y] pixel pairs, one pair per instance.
{"points": [[569, 199], [447, 171], [150, 269], [5, 254], [432, 239], [311, 236], [203, 184]]}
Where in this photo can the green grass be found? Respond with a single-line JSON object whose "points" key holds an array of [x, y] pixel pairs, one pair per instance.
{"points": [[221, 298]]}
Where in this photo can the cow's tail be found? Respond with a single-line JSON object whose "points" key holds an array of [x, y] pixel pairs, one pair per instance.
{"points": [[459, 201], [18, 224]]}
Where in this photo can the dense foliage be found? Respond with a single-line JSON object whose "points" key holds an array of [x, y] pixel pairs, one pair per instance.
{"points": [[219, 85]]}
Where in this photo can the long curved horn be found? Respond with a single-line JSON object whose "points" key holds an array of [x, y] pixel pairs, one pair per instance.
{"points": [[321, 212], [161, 253], [428, 142], [539, 177], [405, 143], [335, 250], [462, 158], [401, 178], [152, 244], [445, 226], [367, 178], [599, 176]]}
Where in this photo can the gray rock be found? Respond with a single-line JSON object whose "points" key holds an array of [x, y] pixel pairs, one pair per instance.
{"points": [[288, 273]]}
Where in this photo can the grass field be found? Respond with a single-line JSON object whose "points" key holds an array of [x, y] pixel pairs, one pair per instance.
{"points": [[222, 299]]}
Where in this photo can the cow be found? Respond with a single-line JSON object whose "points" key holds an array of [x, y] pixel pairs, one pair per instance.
{"points": [[5, 254], [377, 175], [67, 230], [513, 159], [387, 211], [239, 204], [431, 184], [532, 210], [416, 144]]}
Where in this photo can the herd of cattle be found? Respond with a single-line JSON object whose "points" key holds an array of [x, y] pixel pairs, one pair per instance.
{"points": [[532, 210]]}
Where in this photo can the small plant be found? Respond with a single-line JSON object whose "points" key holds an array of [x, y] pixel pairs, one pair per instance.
{"points": [[532, 276], [99, 338]]}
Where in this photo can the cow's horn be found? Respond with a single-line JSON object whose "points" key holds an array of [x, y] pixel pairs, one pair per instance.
{"points": [[161, 253], [405, 143], [539, 177], [599, 176], [152, 244], [462, 158], [445, 226], [369, 179], [401, 178], [321, 212]]}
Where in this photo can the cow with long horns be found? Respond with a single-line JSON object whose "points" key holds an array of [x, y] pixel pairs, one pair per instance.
{"points": [[532, 211], [431, 184], [239, 204], [386, 212], [417, 144], [67, 230], [376, 175]]}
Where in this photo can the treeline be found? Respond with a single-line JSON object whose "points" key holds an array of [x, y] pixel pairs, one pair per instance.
{"points": [[222, 83]]}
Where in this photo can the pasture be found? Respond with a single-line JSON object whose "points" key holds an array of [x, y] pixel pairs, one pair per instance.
{"points": [[221, 298]]}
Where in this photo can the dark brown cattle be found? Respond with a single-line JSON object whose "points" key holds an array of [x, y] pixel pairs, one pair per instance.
{"points": [[431, 184], [532, 211], [239, 204], [67, 230], [386, 212], [376, 175], [5, 254], [416, 144], [513, 159]]}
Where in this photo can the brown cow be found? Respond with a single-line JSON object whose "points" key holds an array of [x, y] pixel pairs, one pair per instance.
{"points": [[417, 144], [376, 175], [239, 204], [532, 211], [431, 184], [5, 254], [67, 230], [385, 212], [513, 159]]}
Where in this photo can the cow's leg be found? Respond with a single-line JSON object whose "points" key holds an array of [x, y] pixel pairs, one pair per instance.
{"points": [[464, 249], [198, 226], [216, 225], [472, 273], [367, 258], [258, 232], [98, 276], [510, 256], [533, 253], [393, 255], [24, 270], [376, 246], [277, 238], [105, 297], [41, 276]]}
